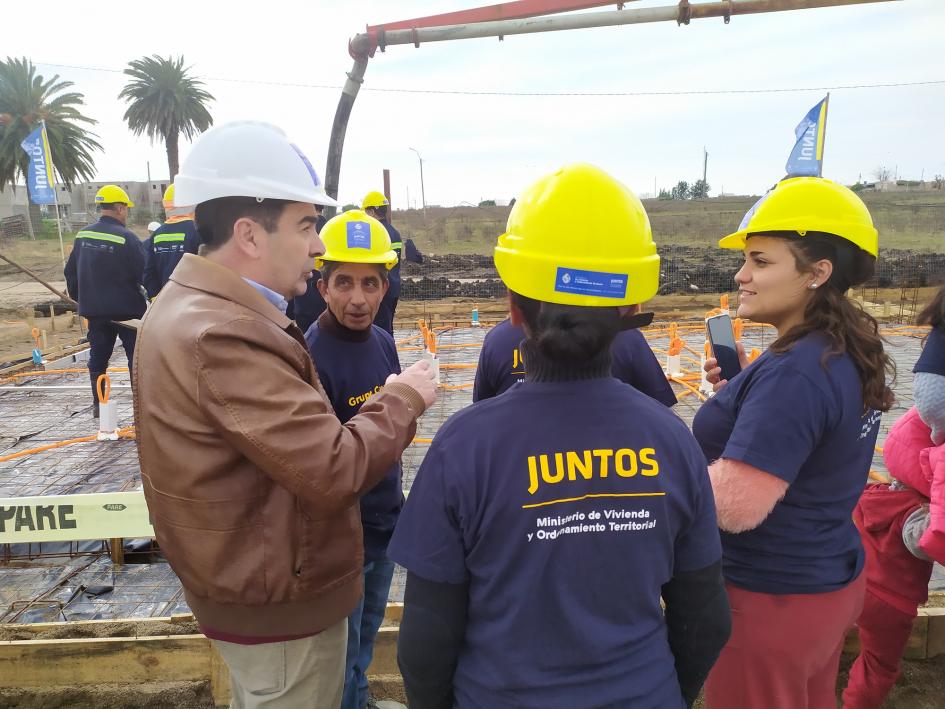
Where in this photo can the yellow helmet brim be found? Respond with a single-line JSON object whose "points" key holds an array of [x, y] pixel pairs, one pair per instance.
{"points": [[388, 259], [734, 241]]}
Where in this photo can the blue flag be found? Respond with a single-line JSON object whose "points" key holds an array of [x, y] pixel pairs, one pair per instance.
{"points": [[40, 175], [807, 158]]}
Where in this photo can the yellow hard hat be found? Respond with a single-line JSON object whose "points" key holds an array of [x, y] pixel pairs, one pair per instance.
{"points": [[374, 199], [579, 237], [804, 204], [168, 198], [354, 237], [113, 194]]}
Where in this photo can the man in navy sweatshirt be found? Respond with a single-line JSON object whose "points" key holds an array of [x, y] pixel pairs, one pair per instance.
{"points": [[103, 274], [168, 244], [306, 308], [354, 359], [376, 205], [632, 362]]}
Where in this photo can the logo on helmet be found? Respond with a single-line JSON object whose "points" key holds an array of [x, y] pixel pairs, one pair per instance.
{"points": [[566, 278], [308, 165], [359, 235]]}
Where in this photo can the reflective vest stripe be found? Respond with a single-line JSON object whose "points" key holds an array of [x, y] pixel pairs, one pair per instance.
{"points": [[397, 245], [161, 238], [98, 236]]}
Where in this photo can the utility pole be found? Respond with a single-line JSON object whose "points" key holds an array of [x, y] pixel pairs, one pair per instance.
{"points": [[423, 194], [150, 196], [705, 167]]}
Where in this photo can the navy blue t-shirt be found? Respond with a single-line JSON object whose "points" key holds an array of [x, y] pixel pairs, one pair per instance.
{"points": [[789, 416], [566, 533], [500, 364], [165, 249], [104, 271], [306, 308], [394, 274], [352, 372], [932, 359]]}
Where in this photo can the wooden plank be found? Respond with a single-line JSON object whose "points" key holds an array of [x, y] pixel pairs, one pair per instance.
{"points": [[927, 639], [168, 658], [384, 661], [116, 547], [394, 613], [917, 647], [219, 679], [936, 632]]}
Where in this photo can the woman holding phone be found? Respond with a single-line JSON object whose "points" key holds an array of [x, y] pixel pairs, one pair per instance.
{"points": [[790, 440]]}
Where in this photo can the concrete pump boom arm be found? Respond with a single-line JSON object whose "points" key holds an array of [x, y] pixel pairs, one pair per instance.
{"points": [[524, 17]]}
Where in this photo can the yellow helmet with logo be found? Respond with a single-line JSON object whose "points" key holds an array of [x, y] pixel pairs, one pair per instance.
{"points": [[579, 237], [374, 199], [806, 204], [354, 237], [112, 194]]}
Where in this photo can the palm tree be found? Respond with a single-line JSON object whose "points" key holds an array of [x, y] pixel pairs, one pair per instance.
{"points": [[27, 98], [165, 102]]}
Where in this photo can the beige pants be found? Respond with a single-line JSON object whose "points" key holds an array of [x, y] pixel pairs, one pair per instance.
{"points": [[306, 673]]}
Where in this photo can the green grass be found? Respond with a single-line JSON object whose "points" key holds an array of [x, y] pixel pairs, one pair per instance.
{"points": [[905, 220]]}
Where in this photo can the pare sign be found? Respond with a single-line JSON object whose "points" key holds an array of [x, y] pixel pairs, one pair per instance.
{"points": [[74, 517]]}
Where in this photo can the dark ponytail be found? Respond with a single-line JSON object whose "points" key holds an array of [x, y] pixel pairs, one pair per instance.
{"points": [[851, 329], [569, 335], [934, 313]]}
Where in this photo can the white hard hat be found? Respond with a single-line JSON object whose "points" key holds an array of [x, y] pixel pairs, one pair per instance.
{"points": [[247, 159], [153, 227]]}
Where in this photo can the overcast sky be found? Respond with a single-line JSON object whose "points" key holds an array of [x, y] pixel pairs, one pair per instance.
{"points": [[490, 147]]}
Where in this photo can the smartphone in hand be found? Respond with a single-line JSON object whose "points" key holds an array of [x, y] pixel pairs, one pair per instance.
{"points": [[722, 338]]}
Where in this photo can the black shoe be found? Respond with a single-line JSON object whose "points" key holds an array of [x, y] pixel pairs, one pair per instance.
{"points": [[93, 377]]}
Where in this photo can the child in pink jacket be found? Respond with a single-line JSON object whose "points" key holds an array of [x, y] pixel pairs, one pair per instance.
{"points": [[902, 525]]}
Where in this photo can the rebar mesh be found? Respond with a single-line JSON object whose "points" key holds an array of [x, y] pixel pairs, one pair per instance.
{"points": [[47, 582]]}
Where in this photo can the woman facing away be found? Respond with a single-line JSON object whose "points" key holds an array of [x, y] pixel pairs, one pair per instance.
{"points": [[790, 440], [545, 524]]}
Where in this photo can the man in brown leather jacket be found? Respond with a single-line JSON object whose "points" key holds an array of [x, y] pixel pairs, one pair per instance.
{"points": [[251, 480]]}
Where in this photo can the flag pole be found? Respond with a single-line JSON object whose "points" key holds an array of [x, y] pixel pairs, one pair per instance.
{"points": [[823, 134], [46, 146]]}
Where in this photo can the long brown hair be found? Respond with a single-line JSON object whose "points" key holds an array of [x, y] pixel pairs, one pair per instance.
{"points": [[850, 328], [934, 313]]}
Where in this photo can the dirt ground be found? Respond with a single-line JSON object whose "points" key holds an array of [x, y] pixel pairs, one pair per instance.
{"points": [[164, 695]]}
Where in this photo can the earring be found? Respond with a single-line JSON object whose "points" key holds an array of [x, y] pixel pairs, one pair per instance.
{"points": [[812, 286]]}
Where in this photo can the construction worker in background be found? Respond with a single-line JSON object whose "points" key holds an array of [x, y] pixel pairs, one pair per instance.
{"points": [[544, 525], [791, 438], [104, 274], [354, 358], [168, 244], [152, 227], [251, 480], [633, 362], [376, 205], [306, 308]]}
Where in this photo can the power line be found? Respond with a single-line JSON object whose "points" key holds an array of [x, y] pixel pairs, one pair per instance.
{"points": [[460, 92]]}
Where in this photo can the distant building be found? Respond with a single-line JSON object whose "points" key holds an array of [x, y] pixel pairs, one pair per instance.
{"points": [[900, 186], [147, 196], [77, 204], [15, 201]]}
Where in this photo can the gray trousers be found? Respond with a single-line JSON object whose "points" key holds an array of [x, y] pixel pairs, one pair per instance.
{"points": [[306, 673]]}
